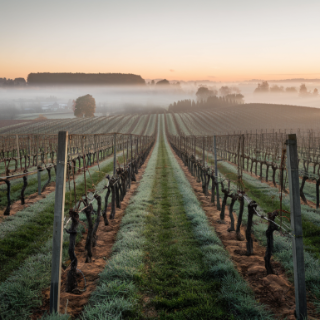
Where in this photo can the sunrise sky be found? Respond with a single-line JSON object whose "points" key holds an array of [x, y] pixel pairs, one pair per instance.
{"points": [[227, 40]]}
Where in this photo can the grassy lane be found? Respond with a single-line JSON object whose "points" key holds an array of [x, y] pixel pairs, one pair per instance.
{"points": [[173, 284], [17, 245]]}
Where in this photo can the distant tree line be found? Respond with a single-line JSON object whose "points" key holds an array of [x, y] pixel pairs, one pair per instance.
{"points": [[84, 79], [17, 82], [204, 104], [264, 87], [225, 91], [208, 99]]}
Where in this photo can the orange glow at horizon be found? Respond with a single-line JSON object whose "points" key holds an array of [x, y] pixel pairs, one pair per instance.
{"points": [[227, 41], [15, 70]]}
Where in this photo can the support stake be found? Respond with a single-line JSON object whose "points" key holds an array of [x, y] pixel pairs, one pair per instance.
{"points": [[58, 222], [114, 154], [296, 225], [216, 171]]}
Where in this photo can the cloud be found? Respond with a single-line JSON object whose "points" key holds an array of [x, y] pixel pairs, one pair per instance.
{"points": [[171, 70]]}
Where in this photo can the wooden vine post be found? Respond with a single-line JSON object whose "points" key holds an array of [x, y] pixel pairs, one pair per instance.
{"points": [[114, 153], [38, 173], [96, 147], [58, 222], [216, 171], [296, 225], [131, 147], [203, 154], [137, 151]]}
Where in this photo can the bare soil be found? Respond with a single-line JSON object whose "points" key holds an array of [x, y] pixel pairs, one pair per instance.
{"points": [[73, 303], [275, 290]]}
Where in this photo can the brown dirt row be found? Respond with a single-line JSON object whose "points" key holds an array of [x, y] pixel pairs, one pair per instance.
{"points": [[275, 291], [74, 303]]}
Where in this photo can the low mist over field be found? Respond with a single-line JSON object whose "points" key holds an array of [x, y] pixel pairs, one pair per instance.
{"points": [[27, 102], [108, 99]]}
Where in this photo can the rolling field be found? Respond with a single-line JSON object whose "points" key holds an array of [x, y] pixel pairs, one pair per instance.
{"points": [[245, 118], [134, 124]]}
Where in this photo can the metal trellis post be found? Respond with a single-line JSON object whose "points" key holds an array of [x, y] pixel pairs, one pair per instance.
{"points": [[216, 170], [296, 225], [114, 153], [58, 222]]}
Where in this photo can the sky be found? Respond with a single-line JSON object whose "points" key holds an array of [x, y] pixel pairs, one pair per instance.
{"points": [[227, 40]]}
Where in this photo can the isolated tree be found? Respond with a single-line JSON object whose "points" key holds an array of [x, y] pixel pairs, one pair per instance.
{"points": [[163, 82], [85, 106], [315, 91], [303, 89], [262, 87]]}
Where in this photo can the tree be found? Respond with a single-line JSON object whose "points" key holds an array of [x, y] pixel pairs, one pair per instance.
{"points": [[303, 89], [315, 91], [262, 87], [204, 93], [163, 82], [224, 91], [85, 106], [237, 98]]}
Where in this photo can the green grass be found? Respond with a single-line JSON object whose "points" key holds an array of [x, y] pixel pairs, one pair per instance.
{"points": [[19, 244], [311, 232], [174, 277]]}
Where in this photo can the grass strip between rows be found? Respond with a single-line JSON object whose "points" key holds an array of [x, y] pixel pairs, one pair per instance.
{"points": [[175, 281], [235, 292]]}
